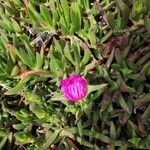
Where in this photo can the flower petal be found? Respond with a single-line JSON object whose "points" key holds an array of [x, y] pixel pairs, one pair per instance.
{"points": [[74, 87]]}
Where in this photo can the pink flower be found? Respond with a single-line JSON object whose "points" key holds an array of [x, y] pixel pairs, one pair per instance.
{"points": [[74, 87]]}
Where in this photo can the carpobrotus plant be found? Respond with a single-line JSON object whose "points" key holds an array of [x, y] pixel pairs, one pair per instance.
{"points": [[74, 74]]}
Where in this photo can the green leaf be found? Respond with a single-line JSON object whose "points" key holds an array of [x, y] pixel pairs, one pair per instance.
{"points": [[11, 50], [66, 12], [60, 10], [125, 11], [126, 71], [39, 110], [2, 133], [16, 26], [135, 140], [56, 64], [112, 131], [6, 26], [102, 138], [25, 39], [15, 71], [119, 57], [65, 30], [106, 37], [146, 113], [92, 37], [143, 59], [111, 20], [34, 14], [11, 9], [19, 87], [84, 4], [57, 46], [75, 16], [23, 138], [86, 57], [68, 54], [5, 23], [147, 23], [82, 141], [90, 66], [119, 143], [23, 116], [92, 88], [55, 15], [51, 138], [77, 58], [39, 59], [2, 41], [66, 132], [46, 15], [27, 60], [123, 103], [2, 142], [32, 97], [144, 143], [79, 124], [19, 126]]}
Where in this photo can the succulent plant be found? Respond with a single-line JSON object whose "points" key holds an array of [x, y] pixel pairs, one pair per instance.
{"points": [[106, 42]]}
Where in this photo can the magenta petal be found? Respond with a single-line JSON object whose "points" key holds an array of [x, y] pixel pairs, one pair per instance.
{"points": [[63, 83], [74, 87]]}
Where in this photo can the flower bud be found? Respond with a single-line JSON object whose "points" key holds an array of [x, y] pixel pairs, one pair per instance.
{"points": [[74, 87]]}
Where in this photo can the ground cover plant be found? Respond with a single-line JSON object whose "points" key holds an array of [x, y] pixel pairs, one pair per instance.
{"points": [[74, 74]]}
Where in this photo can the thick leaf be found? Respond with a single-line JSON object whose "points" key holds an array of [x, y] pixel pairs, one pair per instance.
{"points": [[2, 142], [65, 30], [125, 11], [112, 131], [82, 141], [79, 124], [102, 138], [56, 64], [46, 14], [33, 13], [123, 104], [32, 97], [76, 50], [58, 46], [106, 37], [15, 71], [111, 20], [2, 133], [67, 133], [39, 110], [23, 138], [5, 23], [92, 88], [86, 57], [27, 60], [11, 50], [68, 53], [75, 16], [19, 126], [39, 59], [66, 12], [19, 87], [51, 138], [16, 26]]}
